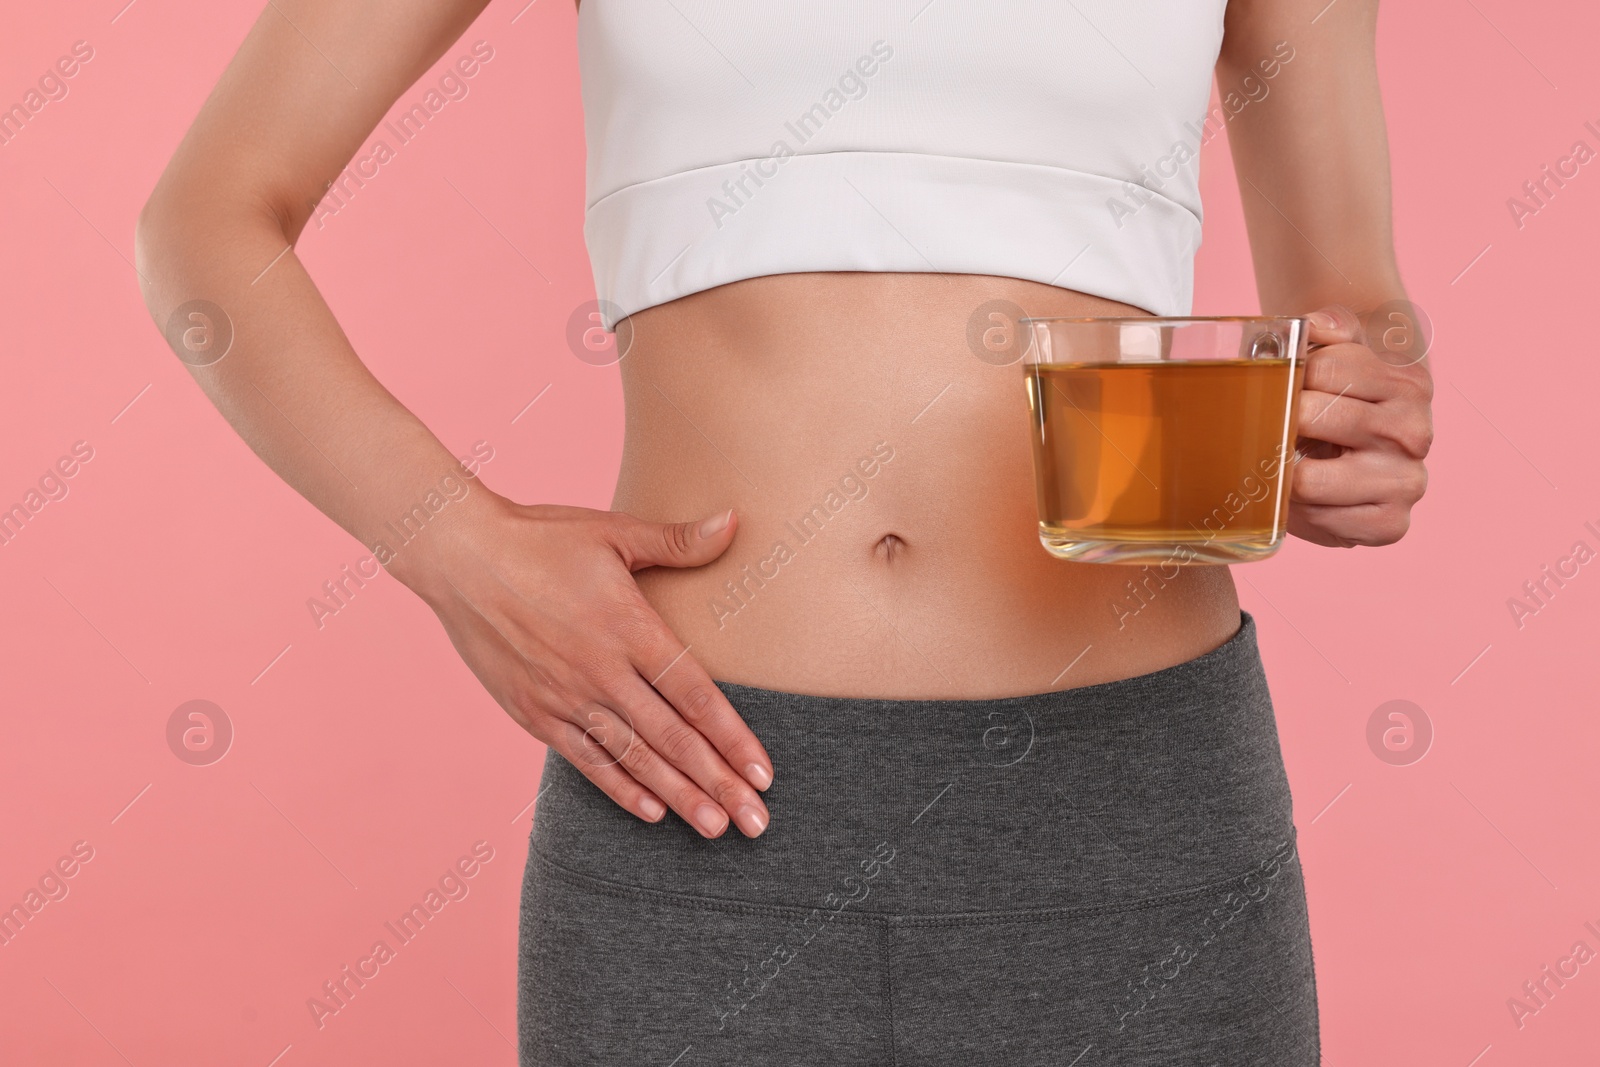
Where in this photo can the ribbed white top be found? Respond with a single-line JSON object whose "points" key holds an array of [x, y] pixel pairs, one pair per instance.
{"points": [[1055, 141]]}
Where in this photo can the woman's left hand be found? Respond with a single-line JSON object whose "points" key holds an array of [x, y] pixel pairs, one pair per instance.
{"points": [[1366, 426]]}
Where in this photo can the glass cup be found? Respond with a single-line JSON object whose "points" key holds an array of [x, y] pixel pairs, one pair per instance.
{"points": [[1163, 439]]}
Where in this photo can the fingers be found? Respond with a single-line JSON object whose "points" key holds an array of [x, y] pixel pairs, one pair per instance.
{"points": [[1367, 427], [527, 692], [690, 753], [620, 735], [1353, 398], [1351, 368], [604, 745], [644, 544], [1347, 527], [566, 663], [597, 764], [1355, 370], [555, 638], [1357, 478], [684, 716], [604, 741], [1332, 324], [628, 727], [1343, 420], [680, 679]]}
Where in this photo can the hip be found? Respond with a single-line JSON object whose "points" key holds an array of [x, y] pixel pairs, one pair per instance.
{"points": [[944, 882], [1122, 795]]}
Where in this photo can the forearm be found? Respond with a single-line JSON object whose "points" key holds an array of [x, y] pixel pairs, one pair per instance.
{"points": [[291, 384]]}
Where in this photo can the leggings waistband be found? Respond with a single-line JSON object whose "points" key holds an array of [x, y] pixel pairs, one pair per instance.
{"points": [[1116, 795]]}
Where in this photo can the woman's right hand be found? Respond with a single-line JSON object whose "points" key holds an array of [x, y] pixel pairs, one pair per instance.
{"points": [[541, 603]]}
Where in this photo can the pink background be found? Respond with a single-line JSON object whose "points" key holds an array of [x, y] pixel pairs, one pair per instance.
{"points": [[367, 759]]}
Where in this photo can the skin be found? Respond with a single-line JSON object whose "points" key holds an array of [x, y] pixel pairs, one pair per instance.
{"points": [[745, 403]]}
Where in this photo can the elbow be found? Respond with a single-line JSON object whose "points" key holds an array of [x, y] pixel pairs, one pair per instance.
{"points": [[164, 238], [149, 242], [189, 252], [164, 281], [186, 242]]}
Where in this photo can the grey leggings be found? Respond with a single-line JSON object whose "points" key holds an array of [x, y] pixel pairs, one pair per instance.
{"points": [[1102, 875]]}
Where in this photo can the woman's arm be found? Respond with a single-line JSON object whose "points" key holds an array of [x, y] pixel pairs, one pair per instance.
{"points": [[1312, 156], [285, 118], [540, 601]]}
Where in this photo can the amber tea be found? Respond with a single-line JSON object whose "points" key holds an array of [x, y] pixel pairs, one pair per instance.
{"points": [[1150, 459]]}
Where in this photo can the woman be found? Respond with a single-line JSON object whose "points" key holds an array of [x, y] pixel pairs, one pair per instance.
{"points": [[982, 815]]}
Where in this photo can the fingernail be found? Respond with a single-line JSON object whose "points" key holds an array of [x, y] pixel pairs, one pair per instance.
{"points": [[751, 821], [653, 809], [710, 819], [1323, 321], [757, 776], [716, 524]]}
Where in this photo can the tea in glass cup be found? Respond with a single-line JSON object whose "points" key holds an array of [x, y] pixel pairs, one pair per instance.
{"points": [[1157, 439]]}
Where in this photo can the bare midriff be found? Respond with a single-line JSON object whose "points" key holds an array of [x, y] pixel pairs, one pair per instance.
{"points": [[888, 539]]}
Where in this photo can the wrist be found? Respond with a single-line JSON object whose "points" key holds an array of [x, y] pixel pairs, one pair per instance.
{"points": [[422, 545]]}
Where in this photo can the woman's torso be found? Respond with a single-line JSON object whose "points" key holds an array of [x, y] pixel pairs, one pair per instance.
{"points": [[810, 201], [881, 470]]}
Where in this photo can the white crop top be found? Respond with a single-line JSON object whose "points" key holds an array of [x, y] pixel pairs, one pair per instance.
{"points": [[1049, 140]]}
